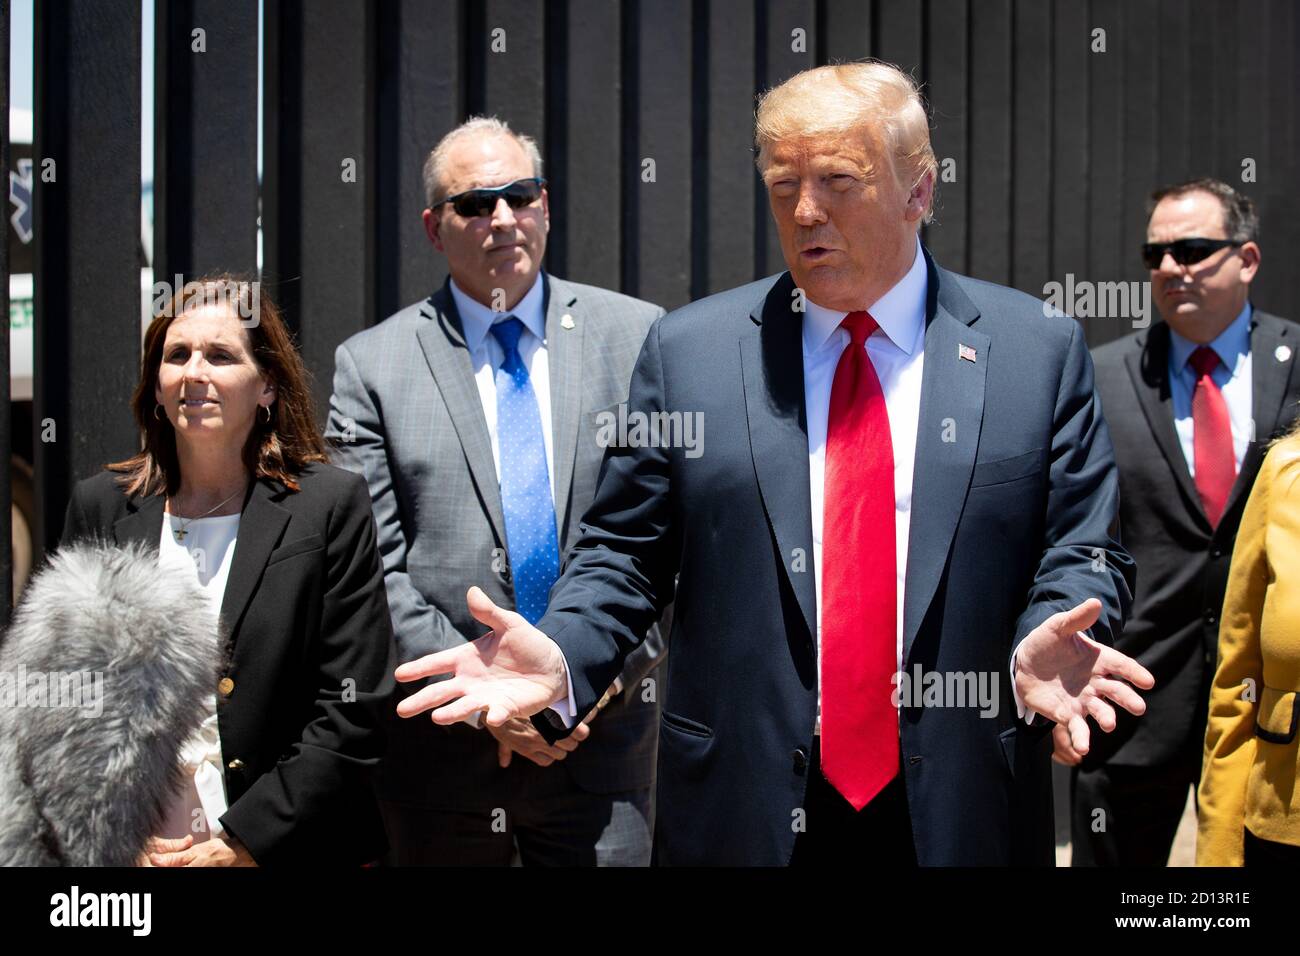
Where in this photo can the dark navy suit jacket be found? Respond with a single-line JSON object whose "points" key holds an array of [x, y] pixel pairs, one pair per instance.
{"points": [[1014, 504]]}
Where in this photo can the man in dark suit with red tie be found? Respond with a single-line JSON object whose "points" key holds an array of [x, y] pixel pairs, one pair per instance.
{"points": [[1192, 403], [902, 498]]}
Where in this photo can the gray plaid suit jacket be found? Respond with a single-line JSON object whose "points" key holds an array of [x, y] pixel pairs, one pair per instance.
{"points": [[406, 414]]}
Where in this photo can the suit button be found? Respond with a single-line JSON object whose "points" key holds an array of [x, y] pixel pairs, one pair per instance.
{"points": [[800, 760], [1216, 553], [236, 764], [225, 686], [1210, 617]]}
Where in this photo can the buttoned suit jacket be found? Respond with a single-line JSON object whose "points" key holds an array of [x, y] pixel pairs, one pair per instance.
{"points": [[1014, 496], [406, 414], [1182, 561], [307, 669]]}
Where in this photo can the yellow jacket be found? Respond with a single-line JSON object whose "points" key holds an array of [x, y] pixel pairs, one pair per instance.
{"points": [[1250, 771]]}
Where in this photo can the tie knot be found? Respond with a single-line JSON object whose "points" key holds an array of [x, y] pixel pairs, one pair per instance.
{"points": [[1205, 360], [507, 332], [859, 325]]}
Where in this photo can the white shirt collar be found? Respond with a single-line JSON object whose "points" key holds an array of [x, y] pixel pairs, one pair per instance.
{"points": [[900, 312], [476, 318]]}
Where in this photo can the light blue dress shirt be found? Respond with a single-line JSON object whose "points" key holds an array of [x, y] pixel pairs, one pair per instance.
{"points": [[1233, 376]]}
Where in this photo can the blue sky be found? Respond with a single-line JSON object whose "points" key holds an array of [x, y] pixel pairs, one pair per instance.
{"points": [[20, 54]]}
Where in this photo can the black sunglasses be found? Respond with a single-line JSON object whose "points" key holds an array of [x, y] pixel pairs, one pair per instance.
{"points": [[1184, 251], [481, 202]]}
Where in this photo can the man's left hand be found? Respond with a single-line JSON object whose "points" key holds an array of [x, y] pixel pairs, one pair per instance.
{"points": [[1066, 676], [519, 736]]}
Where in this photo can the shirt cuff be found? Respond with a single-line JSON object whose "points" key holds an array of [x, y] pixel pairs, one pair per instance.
{"points": [[563, 707], [1026, 715]]}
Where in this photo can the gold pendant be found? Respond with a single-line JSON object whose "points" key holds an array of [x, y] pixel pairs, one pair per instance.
{"points": [[180, 535]]}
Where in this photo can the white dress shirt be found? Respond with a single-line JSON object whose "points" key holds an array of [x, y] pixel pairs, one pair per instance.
{"points": [[1233, 376], [207, 551], [486, 354], [897, 352]]}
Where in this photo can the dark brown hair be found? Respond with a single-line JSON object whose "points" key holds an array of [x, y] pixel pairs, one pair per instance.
{"points": [[276, 449], [1240, 217]]}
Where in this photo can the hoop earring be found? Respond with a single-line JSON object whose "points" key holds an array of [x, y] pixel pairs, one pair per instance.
{"points": [[156, 409], [267, 408]]}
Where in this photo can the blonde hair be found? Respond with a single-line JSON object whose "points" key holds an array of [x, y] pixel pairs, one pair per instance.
{"points": [[850, 97], [1290, 440], [474, 126]]}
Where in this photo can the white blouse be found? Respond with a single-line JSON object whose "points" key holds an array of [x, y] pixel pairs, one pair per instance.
{"points": [[208, 549]]}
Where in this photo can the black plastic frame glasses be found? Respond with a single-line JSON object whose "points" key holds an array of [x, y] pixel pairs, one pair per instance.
{"points": [[480, 202], [1185, 251]]}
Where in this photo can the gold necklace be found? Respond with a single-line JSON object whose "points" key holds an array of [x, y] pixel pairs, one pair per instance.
{"points": [[186, 522]]}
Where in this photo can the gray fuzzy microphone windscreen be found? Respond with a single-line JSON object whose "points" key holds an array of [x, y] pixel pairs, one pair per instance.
{"points": [[103, 677]]}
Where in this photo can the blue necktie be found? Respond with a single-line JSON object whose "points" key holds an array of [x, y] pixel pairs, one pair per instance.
{"points": [[525, 481]]}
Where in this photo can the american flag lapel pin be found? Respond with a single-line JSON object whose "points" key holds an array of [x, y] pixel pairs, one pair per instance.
{"points": [[966, 352]]}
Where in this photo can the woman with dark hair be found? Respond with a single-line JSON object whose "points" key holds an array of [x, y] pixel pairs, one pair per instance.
{"points": [[1247, 807], [232, 481]]}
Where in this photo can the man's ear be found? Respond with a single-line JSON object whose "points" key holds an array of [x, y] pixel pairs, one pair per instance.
{"points": [[432, 228], [546, 209], [920, 198], [1250, 256]]}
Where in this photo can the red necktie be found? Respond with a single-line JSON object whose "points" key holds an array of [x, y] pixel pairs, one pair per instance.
{"points": [[859, 745], [1216, 466]]}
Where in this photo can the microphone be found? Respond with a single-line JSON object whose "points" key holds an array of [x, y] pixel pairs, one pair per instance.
{"points": [[104, 673]]}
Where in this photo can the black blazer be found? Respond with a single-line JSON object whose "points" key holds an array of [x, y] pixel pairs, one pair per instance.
{"points": [[1182, 562], [1013, 498], [310, 652]]}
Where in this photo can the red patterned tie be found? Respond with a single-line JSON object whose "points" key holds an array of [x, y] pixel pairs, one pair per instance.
{"points": [[1216, 466], [859, 745]]}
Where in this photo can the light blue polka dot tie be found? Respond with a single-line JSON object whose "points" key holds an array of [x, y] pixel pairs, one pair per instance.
{"points": [[525, 482]]}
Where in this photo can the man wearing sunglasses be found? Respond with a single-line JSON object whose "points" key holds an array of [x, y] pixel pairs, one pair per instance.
{"points": [[907, 475], [471, 415], [1192, 403]]}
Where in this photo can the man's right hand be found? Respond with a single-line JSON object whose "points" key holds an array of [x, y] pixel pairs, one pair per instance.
{"points": [[515, 671]]}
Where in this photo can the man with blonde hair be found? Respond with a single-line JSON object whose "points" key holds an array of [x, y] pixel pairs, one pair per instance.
{"points": [[904, 499]]}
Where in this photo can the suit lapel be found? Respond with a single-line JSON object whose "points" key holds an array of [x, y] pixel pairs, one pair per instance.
{"points": [[564, 359], [1269, 379], [1148, 366], [772, 368], [442, 339], [951, 388], [142, 524], [260, 528]]}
